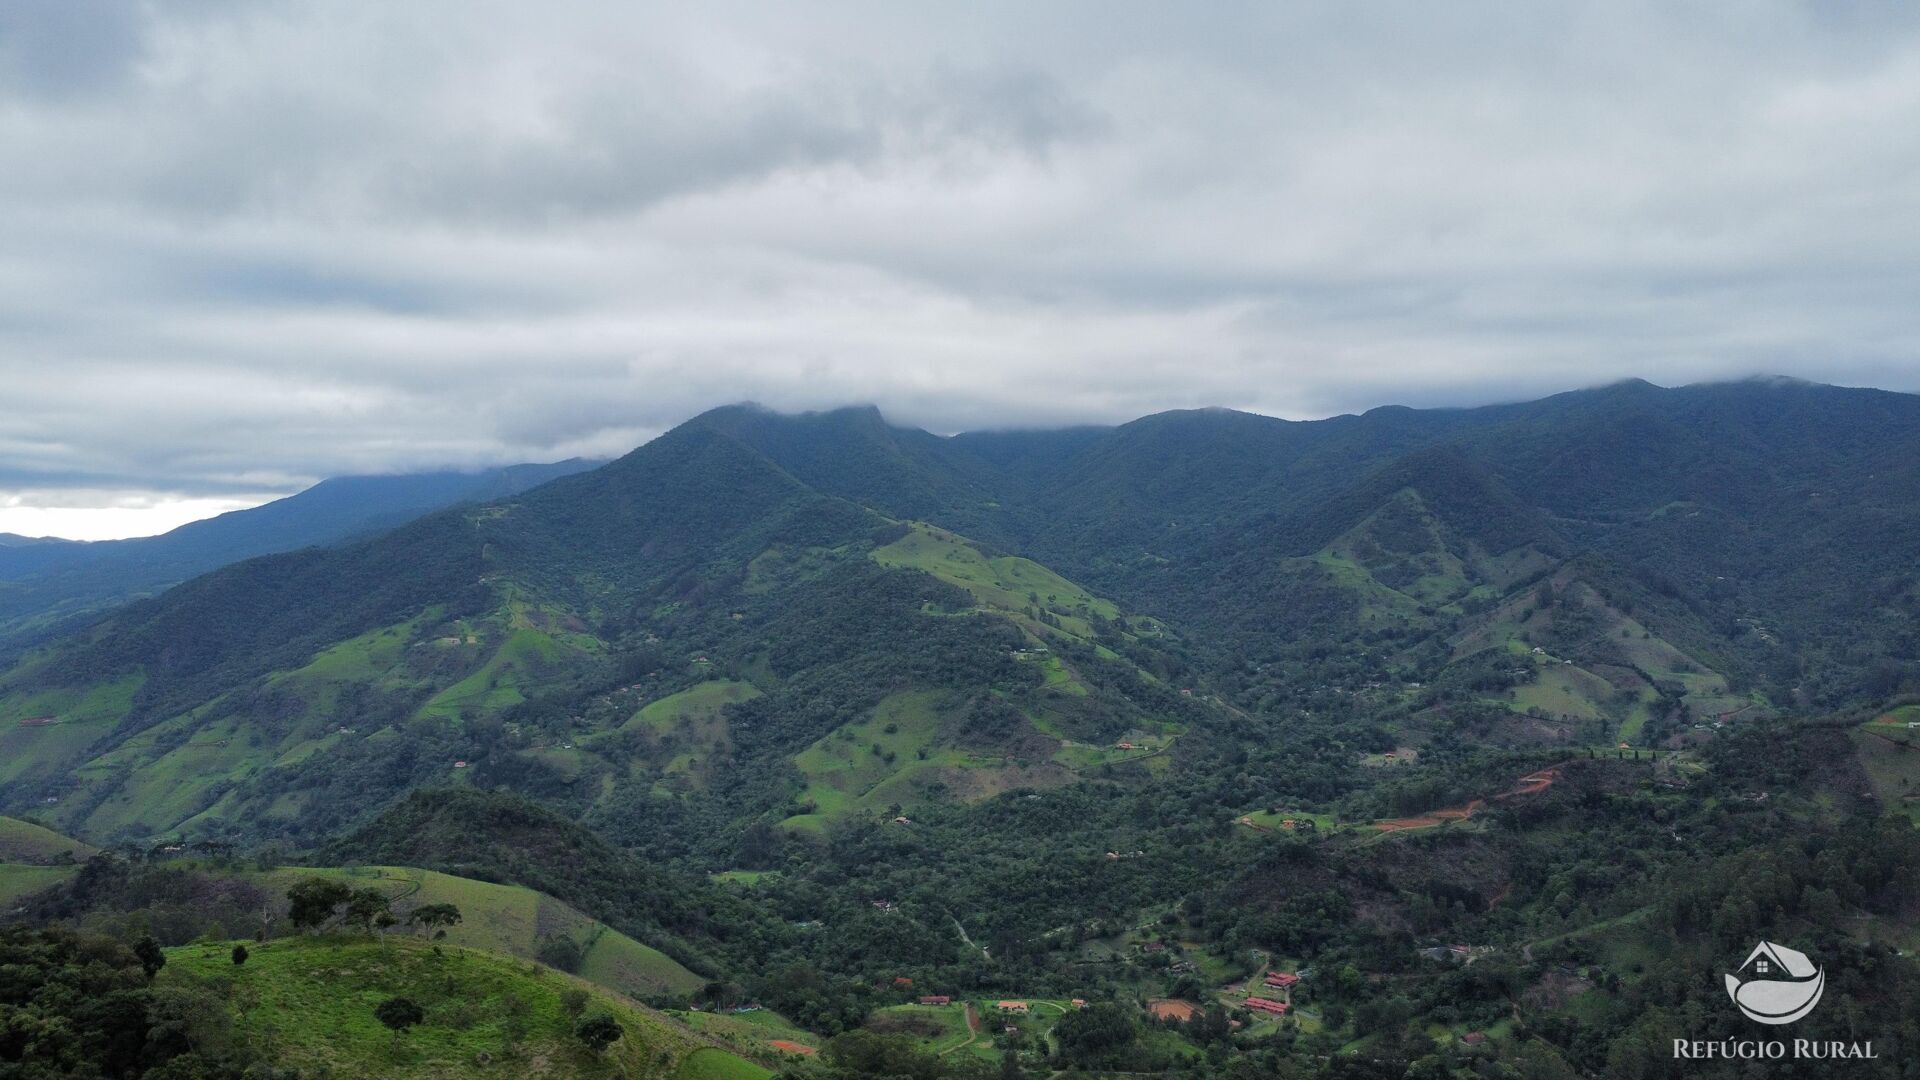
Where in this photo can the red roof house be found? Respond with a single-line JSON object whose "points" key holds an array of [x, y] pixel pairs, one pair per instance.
{"points": [[1277, 1008]]}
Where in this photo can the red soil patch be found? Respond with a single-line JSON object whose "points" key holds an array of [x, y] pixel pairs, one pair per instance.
{"points": [[1530, 784], [791, 1047], [1164, 1008]]}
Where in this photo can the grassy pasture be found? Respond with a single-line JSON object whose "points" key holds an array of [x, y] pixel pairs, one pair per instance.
{"points": [[1002, 582], [79, 717], [311, 1001], [512, 920], [1890, 754], [708, 1063], [25, 842], [19, 880], [937, 1029]]}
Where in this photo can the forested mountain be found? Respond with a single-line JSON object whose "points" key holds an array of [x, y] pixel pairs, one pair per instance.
{"points": [[45, 580], [827, 709]]}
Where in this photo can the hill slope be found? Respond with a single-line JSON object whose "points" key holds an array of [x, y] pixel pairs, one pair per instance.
{"points": [[42, 582], [482, 1012]]}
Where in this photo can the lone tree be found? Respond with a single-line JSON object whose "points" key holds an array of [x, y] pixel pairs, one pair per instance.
{"points": [[151, 958], [435, 917], [239, 955], [598, 1031], [398, 1014], [365, 908], [314, 900]]}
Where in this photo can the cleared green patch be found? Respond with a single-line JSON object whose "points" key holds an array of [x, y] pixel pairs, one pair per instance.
{"points": [[697, 705], [19, 880], [842, 768], [1564, 692], [514, 920], [744, 877], [1277, 821], [522, 662], [1890, 754], [26, 842], [1003, 582], [938, 1029], [43, 728], [751, 1033], [311, 1002], [708, 1063]]}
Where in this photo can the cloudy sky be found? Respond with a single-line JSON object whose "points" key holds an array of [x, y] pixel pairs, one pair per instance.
{"points": [[245, 246]]}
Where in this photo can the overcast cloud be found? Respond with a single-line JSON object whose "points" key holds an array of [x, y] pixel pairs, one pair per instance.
{"points": [[246, 246]]}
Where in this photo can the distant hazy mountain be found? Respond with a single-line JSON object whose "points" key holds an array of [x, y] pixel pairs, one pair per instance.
{"points": [[44, 580], [15, 540]]}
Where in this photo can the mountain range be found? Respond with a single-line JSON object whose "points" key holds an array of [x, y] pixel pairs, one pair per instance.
{"points": [[987, 709], [45, 580]]}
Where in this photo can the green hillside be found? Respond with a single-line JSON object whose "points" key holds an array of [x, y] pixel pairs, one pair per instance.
{"points": [[516, 921], [26, 842], [484, 1014]]}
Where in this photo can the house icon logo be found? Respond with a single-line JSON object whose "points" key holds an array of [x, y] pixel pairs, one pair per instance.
{"points": [[1776, 985]]}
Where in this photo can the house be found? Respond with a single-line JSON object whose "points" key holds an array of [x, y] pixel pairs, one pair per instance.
{"points": [[1281, 979], [1153, 947], [1274, 1008], [459, 764], [902, 820], [38, 721], [902, 981], [883, 905], [1011, 1006], [1474, 1038], [1125, 746], [1079, 1003], [1390, 755], [936, 999]]}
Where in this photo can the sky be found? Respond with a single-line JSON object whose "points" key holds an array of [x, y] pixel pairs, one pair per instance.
{"points": [[244, 247]]}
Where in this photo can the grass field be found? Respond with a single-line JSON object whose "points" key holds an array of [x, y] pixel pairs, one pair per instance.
{"points": [[310, 1002], [708, 1063], [751, 1033], [513, 920], [1890, 754], [936, 1029], [1564, 691], [1004, 583], [843, 768], [24, 879], [516, 666], [690, 730], [697, 705], [77, 719], [25, 842]]}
